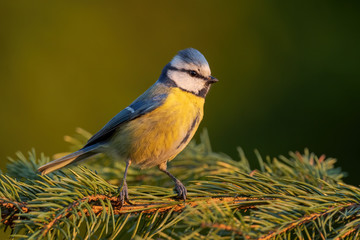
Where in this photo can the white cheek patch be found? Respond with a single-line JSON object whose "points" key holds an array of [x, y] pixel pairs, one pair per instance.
{"points": [[186, 82]]}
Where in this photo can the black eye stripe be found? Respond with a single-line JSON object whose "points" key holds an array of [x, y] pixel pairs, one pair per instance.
{"points": [[190, 72]]}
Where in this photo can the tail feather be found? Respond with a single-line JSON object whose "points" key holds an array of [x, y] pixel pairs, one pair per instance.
{"points": [[77, 156]]}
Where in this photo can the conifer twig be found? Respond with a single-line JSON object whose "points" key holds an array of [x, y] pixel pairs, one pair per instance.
{"points": [[301, 196]]}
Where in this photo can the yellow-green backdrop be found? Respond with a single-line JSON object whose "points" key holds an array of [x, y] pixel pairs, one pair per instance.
{"points": [[289, 71]]}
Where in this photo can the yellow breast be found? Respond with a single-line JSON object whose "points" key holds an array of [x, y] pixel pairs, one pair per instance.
{"points": [[160, 135]]}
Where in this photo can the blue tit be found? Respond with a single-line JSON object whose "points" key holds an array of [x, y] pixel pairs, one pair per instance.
{"points": [[157, 125]]}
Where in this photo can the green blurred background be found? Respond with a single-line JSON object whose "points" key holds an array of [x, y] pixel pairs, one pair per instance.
{"points": [[289, 71]]}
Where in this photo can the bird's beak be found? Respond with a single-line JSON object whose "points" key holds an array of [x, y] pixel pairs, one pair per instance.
{"points": [[212, 80]]}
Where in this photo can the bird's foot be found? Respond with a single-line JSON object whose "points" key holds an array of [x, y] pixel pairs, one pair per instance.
{"points": [[124, 195], [180, 189]]}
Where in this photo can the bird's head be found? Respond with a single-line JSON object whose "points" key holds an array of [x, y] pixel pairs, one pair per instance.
{"points": [[189, 71]]}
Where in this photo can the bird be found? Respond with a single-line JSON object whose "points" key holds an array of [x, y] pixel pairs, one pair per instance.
{"points": [[157, 126]]}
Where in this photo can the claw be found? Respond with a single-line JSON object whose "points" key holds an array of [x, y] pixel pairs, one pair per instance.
{"points": [[180, 189], [124, 195]]}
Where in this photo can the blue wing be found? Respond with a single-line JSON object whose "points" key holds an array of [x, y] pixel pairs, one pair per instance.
{"points": [[144, 104]]}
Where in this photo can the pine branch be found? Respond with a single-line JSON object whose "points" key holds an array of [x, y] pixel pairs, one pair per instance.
{"points": [[300, 197], [310, 218]]}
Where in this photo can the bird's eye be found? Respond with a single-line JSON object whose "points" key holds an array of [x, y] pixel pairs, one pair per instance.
{"points": [[193, 73]]}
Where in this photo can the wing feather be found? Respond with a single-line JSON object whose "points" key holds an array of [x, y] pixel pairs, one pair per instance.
{"points": [[139, 107]]}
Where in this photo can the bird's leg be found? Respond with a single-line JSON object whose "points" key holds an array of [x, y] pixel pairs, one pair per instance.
{"points": [[179, 187], [124, 195]]}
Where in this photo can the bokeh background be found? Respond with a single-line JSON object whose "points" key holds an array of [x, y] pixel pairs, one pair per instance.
{"points": [[289, 71]]}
